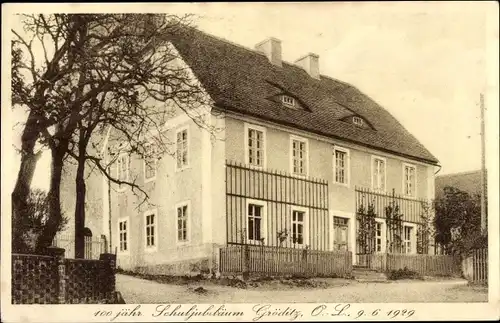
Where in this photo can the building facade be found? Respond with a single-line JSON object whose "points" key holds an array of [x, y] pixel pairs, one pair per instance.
{"points": [[298, 157]]}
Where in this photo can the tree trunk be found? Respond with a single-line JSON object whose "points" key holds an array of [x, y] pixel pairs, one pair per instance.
{"points": [[25, 175], [54, 199], [80, 209]]}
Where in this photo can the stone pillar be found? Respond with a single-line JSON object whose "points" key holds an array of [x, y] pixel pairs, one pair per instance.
{"points": [[214, 262], [58, 254], [109, 274]]}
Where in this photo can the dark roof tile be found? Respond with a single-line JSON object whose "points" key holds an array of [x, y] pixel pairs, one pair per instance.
{"points": [[242, 80]]}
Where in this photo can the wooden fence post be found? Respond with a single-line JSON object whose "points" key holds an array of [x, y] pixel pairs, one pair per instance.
{"points": [[246, 261], [58, 254]]}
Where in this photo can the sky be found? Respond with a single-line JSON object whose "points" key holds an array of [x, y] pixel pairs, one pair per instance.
{"points": [[426, 63]]}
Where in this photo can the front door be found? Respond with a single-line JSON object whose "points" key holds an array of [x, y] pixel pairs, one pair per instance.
{"points": [[340, 226]]}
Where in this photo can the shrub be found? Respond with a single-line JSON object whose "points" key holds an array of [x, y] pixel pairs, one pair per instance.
{"points": [[403, 274]]}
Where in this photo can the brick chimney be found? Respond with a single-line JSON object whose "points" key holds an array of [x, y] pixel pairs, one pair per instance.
{"points": [[272, 49], [310, 63]]}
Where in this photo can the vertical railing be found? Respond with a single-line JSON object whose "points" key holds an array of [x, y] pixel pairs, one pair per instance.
{"points": [[396, 210], [279, 192]]}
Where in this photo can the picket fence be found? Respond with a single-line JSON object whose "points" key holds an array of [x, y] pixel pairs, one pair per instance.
{"points": [[426, 265], [94, 246], [276, 261], [475, 266]]}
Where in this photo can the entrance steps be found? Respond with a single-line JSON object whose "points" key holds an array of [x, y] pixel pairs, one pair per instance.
{"points": [[367, 275]]}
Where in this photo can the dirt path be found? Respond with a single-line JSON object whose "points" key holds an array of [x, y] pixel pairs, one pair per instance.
{"points": [[135, 290]]}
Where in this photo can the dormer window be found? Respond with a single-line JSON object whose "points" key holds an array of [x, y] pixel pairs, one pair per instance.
{"points": [[358, 121], [288, 100]]}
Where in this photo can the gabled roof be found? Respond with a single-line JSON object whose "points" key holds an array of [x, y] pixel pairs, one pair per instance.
{"points": [[242, 80]]}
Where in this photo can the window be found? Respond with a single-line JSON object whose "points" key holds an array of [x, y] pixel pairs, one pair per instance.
{"points": [[182, 223], [182, 149], [150, 162], [150, 229], [340, 227], [341, 165], [407, 241], [299, 229], [255, 145], [299, 156], [288, 100], [378, 237], [123, 235], [378, 173], [122, 165], [409, 180], [255, 213], [357, 121]]}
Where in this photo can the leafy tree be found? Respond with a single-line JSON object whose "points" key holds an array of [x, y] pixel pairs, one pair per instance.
{"points": [[425, 231], [367, 228], [27, 228], [458, 221], [394, 223]]}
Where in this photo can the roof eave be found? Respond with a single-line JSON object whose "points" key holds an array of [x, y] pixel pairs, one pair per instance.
{"points": [[226, 108]]}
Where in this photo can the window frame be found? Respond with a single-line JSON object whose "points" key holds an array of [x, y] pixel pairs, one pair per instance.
{"points": [[305, 226], [155, 159], [289, 104], [123, 188], [346, 167], [360, 123], [306, 158], [414, 191], [263, 221], [153, 247], [188, 151], [373, 161], [413, 237], [118, 236], [248, 127], [188, 223]]}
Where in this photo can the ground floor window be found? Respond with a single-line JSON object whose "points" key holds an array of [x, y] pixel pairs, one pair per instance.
{"points": [[182, 222], [123, 235], [407, 239], [255, 213], [150, 230], [378, 237], [298, 227], [340, 233]]}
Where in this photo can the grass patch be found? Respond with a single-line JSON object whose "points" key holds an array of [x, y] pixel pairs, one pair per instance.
{"points": [[292, 281], [403, 274]]}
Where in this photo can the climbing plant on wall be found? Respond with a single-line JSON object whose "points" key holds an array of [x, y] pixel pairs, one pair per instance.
{"points": [[366, 229], [394, 222], [425, 230]]}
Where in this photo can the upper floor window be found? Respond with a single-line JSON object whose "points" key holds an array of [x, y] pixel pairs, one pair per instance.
{"points": [[182, 148], [299, 156], [150, 230], [255, 149], [378, 173], [341, 165], [150, 162], [409, 179], [358, 121], [288, 100], [122, 169]]}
